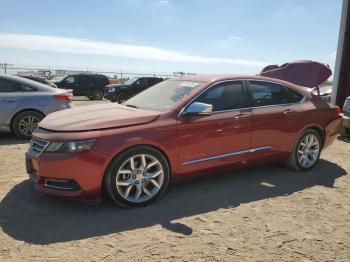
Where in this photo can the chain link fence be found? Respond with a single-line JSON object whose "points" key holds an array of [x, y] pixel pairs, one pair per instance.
{"points": [[9, 69]]}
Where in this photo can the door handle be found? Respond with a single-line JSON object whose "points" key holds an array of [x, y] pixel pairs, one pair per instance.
{"points": [[289, 111], [240, 116]]}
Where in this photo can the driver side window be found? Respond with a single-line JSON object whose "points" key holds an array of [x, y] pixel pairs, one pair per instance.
{"points": [[228, 95], [141, 83], [69, 80]]}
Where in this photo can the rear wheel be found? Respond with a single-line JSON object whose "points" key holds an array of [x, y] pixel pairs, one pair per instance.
{"points": [[137, 176], [306, 151], [25, 123]]}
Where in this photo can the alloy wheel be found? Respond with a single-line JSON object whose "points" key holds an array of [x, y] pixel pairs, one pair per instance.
{"points": [[28, 124], [139, 178], [308, 151]]}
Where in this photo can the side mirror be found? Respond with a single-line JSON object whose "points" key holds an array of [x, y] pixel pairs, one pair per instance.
{"points": [[199, 109]]}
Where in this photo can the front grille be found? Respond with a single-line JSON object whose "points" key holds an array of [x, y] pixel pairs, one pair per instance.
{"points": [[38, 145]]}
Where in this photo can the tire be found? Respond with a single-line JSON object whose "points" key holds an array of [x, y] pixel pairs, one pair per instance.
{"points": [[24, 124], [132, 187], [306, 152], [122, 97], [97, 94]]}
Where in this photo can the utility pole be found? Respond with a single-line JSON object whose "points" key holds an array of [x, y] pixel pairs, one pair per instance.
{"points": [[4, 66]]}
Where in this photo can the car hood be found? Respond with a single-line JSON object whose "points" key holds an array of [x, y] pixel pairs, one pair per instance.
{"points": [[96, 117]]}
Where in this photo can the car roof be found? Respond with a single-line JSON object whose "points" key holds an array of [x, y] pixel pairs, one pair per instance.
{"points": [[209, 78], [26, 81]]}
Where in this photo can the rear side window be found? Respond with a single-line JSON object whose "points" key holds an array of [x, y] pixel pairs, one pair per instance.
{"points": [[27, 88], [266, 93], [7, 86], [293, 96], [224, 96]]}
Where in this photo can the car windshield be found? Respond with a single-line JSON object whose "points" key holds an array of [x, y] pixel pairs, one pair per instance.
{"points": [[130, 81], [164, 96]]}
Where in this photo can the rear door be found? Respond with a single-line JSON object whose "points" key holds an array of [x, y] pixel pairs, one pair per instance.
{"points": [[207, 141], [10, 99], [276, 112]]}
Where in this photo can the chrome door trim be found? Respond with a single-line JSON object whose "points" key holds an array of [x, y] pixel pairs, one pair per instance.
{"points": [[227, 155]]}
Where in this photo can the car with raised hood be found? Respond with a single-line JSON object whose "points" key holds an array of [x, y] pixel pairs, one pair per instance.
{"points": [[24, 103], [175, 129], [122, 92]]}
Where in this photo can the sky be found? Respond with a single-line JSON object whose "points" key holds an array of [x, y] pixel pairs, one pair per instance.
{"points": [[165, 36]]}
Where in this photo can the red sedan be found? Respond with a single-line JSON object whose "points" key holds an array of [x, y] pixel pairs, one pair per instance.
{"points": [[176, 128]]}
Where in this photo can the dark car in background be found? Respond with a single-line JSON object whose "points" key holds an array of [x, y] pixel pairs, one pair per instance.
{"points": [[41, 80], [90, 85], [24, 103], [122, 92]]}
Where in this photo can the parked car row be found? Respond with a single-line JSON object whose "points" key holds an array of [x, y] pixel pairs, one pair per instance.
{"points": [[98, 86]]}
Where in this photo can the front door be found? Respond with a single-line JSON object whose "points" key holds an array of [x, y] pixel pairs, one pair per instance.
{"points": [[210, 140]]}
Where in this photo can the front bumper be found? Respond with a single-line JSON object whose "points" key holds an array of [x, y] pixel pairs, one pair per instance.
{"points": [[110, 95], [67, 175]]}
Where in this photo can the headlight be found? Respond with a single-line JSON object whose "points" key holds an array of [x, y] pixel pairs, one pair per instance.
{"points": [[70, 147]]}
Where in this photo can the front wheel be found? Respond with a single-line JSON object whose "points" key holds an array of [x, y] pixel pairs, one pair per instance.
{"points": [[97, 94], [306, 151], [137, 177]]}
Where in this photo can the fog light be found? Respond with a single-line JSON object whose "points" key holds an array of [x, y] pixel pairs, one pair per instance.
{"points": [[61, 184]]}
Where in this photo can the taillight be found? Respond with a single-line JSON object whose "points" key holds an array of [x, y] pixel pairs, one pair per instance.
{"points": [[337, 110], [64, 97]]}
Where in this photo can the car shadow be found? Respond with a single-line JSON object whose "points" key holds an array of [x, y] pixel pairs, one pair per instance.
{"points": [[31, 217], [11, 139]]}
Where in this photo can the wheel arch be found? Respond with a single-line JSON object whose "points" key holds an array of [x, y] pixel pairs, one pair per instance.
{"points": [[160, 150], [319, 130], [22, 111]]}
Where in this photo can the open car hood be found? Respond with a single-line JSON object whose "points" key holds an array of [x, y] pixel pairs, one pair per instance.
{"points": [[96, 117], [304, 73]]}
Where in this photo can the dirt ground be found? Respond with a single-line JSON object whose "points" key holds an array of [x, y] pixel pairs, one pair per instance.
{"points": [[264, 213]]}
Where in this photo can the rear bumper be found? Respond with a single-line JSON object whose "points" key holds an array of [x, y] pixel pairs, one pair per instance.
{"points": [[332, 131], [67, 175]]}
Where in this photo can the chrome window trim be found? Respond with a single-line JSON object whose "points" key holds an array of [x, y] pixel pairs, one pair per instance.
{"points": [[227, 155], [303, 100]]}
